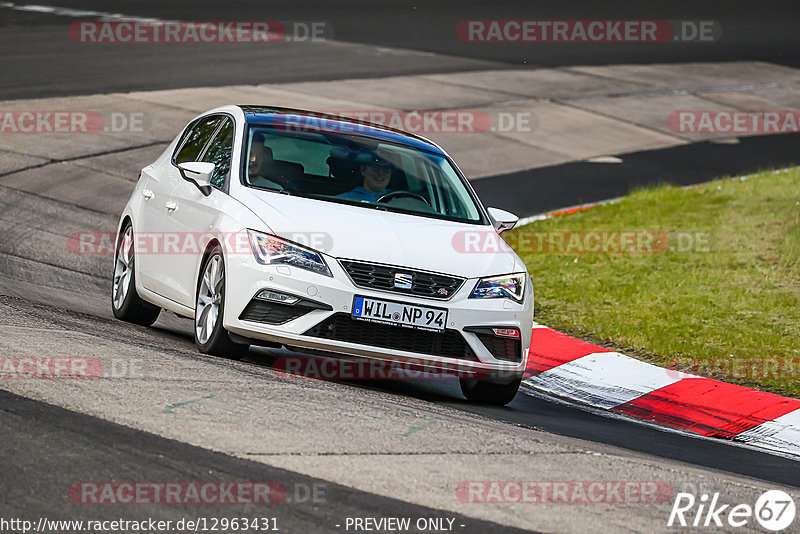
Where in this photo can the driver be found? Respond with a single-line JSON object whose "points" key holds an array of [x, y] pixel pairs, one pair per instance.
{"points": [[256, 155], [375, 176]]}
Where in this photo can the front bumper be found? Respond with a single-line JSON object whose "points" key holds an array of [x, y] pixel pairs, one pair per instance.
{"points": [[467, 318]]}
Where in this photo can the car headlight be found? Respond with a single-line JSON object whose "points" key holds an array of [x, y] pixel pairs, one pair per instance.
{"points": [[272, 250], [511, 286]]}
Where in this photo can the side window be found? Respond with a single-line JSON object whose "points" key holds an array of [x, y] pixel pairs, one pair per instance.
{"points": [[196, 139], [219, 153]]}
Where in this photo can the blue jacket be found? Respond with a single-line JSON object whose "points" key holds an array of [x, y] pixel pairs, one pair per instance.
{"points": [[359, 193]]}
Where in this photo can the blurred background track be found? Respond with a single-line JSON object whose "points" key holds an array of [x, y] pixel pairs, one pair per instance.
{"points": [[370, 39]]}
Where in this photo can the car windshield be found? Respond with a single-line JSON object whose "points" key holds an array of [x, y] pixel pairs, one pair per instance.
{"points": [[357, 170]]}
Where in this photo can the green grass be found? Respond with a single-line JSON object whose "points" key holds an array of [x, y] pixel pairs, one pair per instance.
{"points": [[727, 309]]}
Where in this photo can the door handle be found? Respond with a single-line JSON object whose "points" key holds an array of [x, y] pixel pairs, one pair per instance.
{"points": [[147, 194], [171, 206]]}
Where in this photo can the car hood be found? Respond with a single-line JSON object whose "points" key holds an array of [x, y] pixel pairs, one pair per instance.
{"points": [[357, 233]]}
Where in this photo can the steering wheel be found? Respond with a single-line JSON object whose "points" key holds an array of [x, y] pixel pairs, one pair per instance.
{"points": [[401, 194]]}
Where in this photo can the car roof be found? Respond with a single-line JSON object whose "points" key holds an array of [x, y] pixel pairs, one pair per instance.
{"points": [[324, 122]]}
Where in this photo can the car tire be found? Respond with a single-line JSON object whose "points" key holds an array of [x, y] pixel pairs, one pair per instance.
{"points": [[487, 392], [126, 303], [209, 334]]}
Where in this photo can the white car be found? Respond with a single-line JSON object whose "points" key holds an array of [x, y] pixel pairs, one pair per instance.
{"points": [[280, 227]]}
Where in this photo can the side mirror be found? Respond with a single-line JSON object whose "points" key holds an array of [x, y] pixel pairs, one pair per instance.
{"points": [[502, 220], [199, 173]]}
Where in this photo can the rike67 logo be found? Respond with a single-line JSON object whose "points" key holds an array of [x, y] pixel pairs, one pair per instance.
{"points": [[774, 510]]}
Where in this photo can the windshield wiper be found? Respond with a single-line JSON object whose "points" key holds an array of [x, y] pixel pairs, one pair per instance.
{"points": [[273, 190]]}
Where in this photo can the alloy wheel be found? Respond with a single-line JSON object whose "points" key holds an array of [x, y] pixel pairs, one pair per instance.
{"points": [[123, 268], [209, 299]]}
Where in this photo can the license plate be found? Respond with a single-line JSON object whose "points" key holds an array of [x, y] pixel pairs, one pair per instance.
{"points": [[397, 313]]}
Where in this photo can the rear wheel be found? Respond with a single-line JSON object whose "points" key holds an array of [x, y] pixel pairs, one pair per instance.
{"points": [[209, 335], [125, 301], [486, 392]]}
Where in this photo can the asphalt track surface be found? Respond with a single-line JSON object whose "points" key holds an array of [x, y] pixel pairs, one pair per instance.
{"points": [[544, 189], [371, 39], [52, 447], [45, 435]]}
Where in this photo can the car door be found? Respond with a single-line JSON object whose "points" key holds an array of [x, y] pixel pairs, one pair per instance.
{"points": [[155, 190], [158, 183], [191, 214], [194, 141]]}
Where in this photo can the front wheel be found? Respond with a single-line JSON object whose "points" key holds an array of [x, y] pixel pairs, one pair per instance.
{"points": [[485, 392], [209, 335], [125, 301]]}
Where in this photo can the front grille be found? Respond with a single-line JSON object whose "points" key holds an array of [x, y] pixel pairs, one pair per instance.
{"points": [[382, 277], [261, 311], [502, 348], [341, 327]]}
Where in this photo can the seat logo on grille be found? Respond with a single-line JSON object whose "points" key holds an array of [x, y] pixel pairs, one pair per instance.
{"points": [[403, 280]]}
